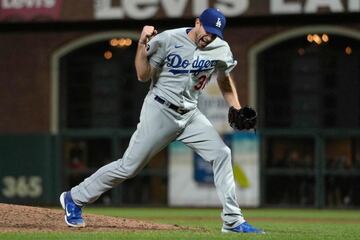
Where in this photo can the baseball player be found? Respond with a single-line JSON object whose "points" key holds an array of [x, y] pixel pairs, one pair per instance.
{"points": [[179, 63]]}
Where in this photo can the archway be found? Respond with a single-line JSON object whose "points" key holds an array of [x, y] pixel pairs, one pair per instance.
{"points": [[96, 101], [308, 96], [98, 41]]}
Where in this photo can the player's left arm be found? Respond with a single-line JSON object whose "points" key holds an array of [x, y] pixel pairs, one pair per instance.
{"points": [[228, 90]]}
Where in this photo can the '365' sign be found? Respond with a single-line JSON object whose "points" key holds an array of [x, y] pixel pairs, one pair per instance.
{"points": [[21, 186]]}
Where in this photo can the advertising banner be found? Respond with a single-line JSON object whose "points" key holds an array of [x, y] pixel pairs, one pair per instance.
{"points": [[46, 10], [88, 10], [191, 179]]}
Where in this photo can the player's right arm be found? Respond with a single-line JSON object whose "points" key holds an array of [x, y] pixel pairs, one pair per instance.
{"points": [[144, 70]]}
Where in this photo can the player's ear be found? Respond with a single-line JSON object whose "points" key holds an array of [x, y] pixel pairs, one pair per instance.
{"points": [[197, 22]]}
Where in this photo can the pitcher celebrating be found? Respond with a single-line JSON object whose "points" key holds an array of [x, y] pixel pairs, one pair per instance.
{"points": [[179, 63]]}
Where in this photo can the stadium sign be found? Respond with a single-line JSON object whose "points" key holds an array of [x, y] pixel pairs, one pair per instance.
{"points": [[144, 9], [25, 10], [69, 10]]}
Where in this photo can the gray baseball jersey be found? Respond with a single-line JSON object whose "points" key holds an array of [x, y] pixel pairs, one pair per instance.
{"points": [[182, 71], [183, 68]]}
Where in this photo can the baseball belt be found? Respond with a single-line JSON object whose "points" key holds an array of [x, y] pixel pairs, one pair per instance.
{"points": [[177, 109]]}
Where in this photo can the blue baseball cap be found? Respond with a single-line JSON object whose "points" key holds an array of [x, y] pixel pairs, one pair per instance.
{"points": [[213, 21]]}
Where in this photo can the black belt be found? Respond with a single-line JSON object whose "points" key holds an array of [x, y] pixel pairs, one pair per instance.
{"points": [[177, 109]]}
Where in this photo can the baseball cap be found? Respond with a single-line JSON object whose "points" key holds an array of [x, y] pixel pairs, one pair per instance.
{"points": [[213, 21]]}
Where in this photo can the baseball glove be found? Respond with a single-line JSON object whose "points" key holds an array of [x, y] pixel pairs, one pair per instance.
{"points": [[244, 118]]}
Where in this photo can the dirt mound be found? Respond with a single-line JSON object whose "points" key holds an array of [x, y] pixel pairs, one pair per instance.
{"points": [[16, 218]]}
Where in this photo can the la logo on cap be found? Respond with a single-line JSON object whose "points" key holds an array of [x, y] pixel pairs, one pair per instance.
{"points": [[218, 23], [213, 21]]}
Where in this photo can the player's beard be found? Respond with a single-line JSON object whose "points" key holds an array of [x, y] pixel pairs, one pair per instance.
{"points": [[202, 42]]}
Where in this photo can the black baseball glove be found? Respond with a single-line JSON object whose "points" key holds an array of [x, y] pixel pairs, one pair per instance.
{"points": [[244, 118]]}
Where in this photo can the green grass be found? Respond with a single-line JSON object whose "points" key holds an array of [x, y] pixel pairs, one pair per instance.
{"points": [[281, 224]]}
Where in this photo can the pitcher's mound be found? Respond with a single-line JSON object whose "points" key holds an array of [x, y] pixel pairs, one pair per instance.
{"points": [[16, 218]]}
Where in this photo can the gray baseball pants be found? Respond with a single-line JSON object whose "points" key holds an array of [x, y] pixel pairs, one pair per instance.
{"points": [[158, 127]]}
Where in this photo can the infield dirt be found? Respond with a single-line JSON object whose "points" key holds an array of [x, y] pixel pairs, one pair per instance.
{"points": [[17, 218]]}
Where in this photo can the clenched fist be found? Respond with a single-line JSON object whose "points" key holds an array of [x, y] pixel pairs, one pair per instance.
{"points": [[147, 33]]}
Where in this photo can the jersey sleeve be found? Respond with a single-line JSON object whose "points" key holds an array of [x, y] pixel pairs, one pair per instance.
{"points": [[156, 50], [227, 62]]}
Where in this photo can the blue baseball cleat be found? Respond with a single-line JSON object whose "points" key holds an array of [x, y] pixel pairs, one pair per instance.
{"points": [[245, 227], [73, 213]]}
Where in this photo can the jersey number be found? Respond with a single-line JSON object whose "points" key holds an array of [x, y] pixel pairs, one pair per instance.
{"points": [[202, 80]]}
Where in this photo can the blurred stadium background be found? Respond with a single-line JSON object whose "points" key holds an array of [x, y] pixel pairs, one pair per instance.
{"points": [[69, 101]]}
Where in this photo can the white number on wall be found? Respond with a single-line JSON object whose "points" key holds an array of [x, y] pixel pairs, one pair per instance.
{"points": [[22, 186]]}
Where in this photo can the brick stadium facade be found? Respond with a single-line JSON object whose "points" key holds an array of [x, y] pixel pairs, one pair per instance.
{"points": [[32, 32], [29, 37]]}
